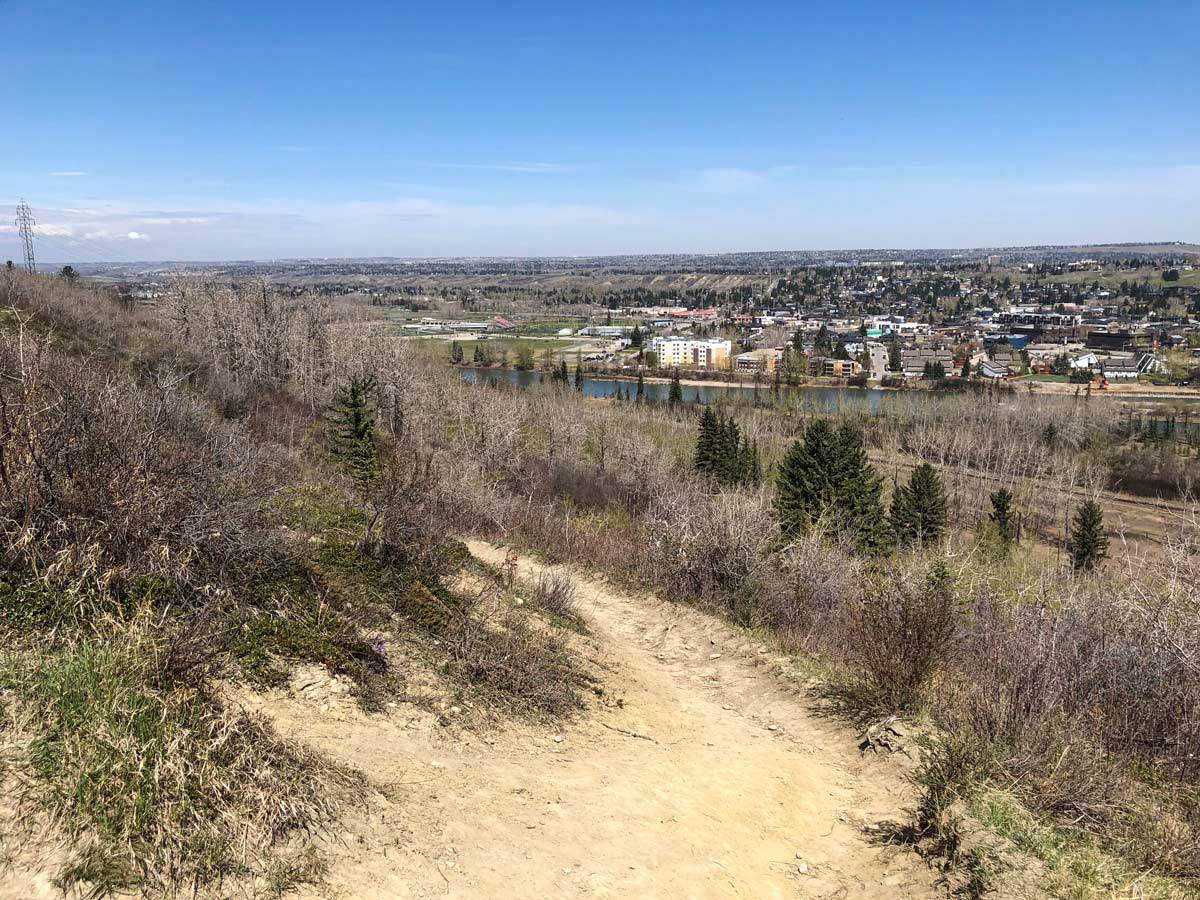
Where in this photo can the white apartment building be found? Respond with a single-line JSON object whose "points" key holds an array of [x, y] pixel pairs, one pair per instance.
{"points": [[701, 353]]}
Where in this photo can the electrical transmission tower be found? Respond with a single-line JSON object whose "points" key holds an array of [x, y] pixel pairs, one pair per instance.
{"points": [[25, 225]]}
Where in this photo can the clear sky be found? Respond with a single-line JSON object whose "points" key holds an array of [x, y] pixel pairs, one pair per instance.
{"points": [[234, 129]]}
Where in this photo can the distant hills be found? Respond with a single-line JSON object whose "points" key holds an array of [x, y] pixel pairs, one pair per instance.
{"points": [[734, 261]]}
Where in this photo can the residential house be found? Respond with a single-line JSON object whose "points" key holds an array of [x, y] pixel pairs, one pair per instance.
{"points": [[914, 363]]}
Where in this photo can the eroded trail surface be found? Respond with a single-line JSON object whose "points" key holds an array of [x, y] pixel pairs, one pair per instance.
{"points": [[701, 772]]}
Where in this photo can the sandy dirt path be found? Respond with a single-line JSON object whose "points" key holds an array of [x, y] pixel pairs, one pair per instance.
{"points": [[703, 772]]}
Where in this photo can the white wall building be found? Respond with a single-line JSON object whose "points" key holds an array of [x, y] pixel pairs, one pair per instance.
{"points": [[703, 353]]}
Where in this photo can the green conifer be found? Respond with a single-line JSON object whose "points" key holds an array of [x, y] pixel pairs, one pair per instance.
{"points": [[920, 512], [1002, 515], [705, 441], [352, 430], [803, 484], [1088, 543], [675, 392]]}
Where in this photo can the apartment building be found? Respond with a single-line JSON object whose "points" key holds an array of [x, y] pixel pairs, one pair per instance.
{"points": [[691, 352], [699, 353]]}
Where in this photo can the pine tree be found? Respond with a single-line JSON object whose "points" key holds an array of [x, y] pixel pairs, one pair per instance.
{"points": [[966, 369], [352, 430], [804, 482], [635, 339], [456, 352], [754, 467], [675, 392], [920, 512], [894, 361], [859, 492], [705, 443], [578, 375], [1088, 543], [641, 387], [1002, 515]]}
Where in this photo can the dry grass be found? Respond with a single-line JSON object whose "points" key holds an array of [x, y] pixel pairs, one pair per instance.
{"points": [[155, 781]]}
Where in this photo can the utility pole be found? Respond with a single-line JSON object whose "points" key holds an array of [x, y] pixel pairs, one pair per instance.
{"points": [[25, 225]]}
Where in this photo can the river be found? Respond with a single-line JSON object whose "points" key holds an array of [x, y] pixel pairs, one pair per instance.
{"points": [[826, 396]]}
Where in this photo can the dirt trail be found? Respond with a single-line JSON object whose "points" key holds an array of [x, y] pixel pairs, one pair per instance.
{"points": [[702, 773]]}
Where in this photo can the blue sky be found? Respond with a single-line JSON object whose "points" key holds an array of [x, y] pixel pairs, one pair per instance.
{"points": [[234, 130]]}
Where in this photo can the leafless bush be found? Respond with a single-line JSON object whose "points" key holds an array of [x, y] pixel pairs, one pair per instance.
{"points": [[105, 478], [716, 549], [555, 591], [496, 649], [805, 598], [902, 630]]}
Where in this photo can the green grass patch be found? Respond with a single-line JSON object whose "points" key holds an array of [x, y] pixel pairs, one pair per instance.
{"points": [[156, 783], [1076, 866]]}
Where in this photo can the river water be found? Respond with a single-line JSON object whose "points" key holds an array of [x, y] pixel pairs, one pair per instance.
{"points": [[830, 397]]}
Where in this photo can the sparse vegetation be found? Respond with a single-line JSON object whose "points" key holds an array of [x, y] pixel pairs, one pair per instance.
{"points": [[178, 513], [207, 511]]}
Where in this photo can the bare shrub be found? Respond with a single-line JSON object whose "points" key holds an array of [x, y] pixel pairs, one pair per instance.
{"points": [[804, 600], [715, 549], [555, 591], [496, 649], [105, 478], [902, 631]]}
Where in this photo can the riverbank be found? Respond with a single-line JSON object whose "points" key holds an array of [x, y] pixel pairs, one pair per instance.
{"points": [[1138, 390]]}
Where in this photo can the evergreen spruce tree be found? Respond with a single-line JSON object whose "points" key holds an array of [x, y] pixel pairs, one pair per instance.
{"points": [[578, 375], [966, 369], [858, 491], [352, 430], [705, 442], [804, 484], [641, 387], [755, 467], [675, 392], [1002, 515], [920, 512], [635, 338], [456, 352], [894, 361], [1088, 544]]}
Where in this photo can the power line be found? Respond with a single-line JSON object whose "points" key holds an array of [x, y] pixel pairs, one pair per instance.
{"points": [[25, 225]]}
